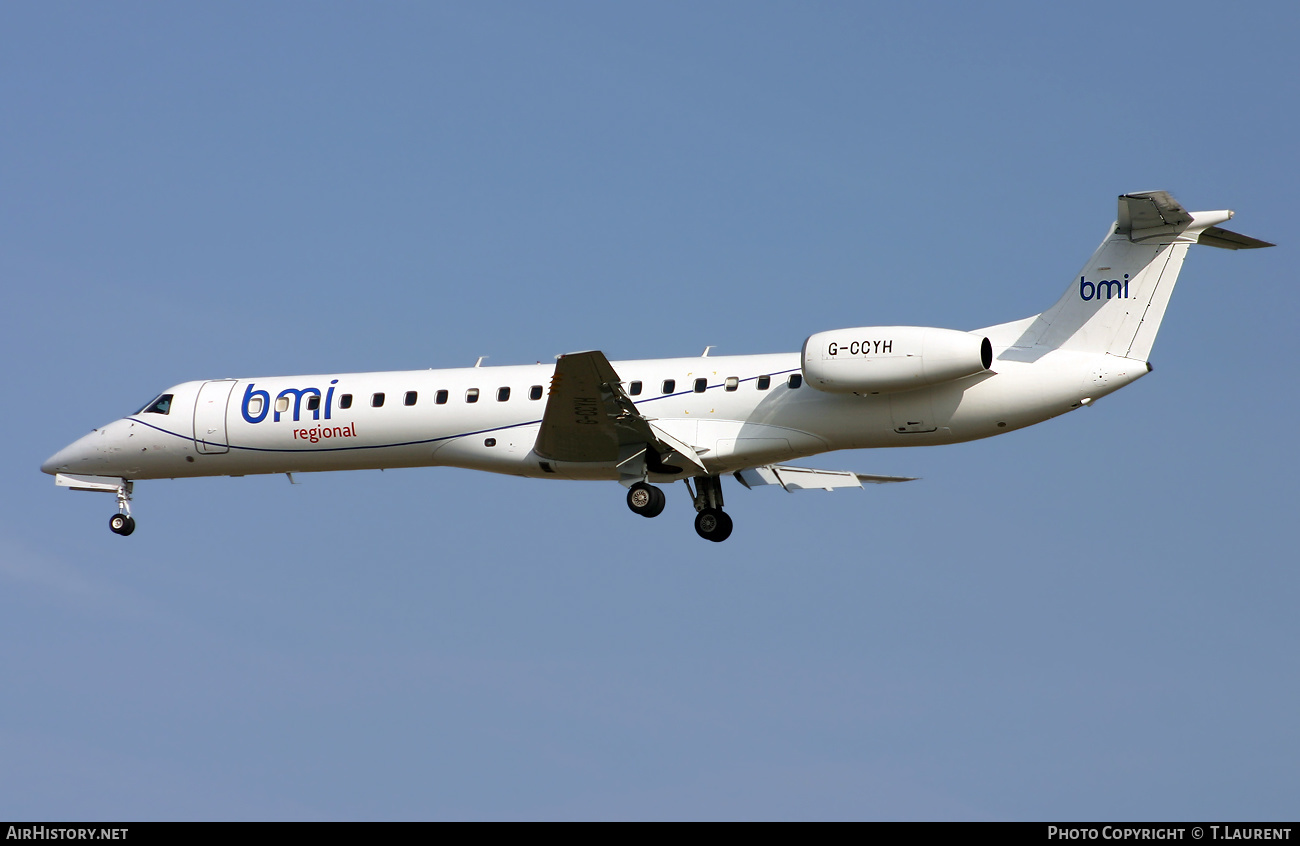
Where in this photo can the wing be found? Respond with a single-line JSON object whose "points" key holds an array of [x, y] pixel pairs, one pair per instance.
{"points": [[807, 479], [589, 417]]}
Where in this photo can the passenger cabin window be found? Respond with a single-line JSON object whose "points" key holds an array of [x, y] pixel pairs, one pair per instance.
{"points": [[733, 382], [440, 398], [163, 405], [764, 382], [634, 388], [313, 402], [345, 401], [254, 407], [700, 385], [377, 400], [670, 385], [535, 392], [794, 381], [471, 395], [410, 398], [281, 405], [503, 394]]}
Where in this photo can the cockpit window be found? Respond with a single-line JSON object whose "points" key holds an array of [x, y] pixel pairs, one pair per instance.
{"points": [[162, 405]]}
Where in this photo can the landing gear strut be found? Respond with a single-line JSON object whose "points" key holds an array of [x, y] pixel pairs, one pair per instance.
{"points": [[711, 522], [646, 500], [123, 523]]}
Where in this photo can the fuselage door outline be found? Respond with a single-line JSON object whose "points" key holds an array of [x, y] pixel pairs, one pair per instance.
{"points": [[210, 417]]}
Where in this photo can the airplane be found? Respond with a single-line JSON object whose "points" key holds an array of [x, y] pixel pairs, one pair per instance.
{"points": [[652, 422]]}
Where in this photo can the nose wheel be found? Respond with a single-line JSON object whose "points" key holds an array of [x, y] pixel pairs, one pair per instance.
{"points": [[121, 524]]}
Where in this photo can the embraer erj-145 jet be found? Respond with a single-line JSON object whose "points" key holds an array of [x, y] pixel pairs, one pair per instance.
{"points": [[645, 423]]}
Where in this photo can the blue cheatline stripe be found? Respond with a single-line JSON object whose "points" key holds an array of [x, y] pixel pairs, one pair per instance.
{"points": [[336, 449], [426, 440]]}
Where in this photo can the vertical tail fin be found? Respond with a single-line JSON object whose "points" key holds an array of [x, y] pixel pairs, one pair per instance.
{"points": [[1116, 302]]}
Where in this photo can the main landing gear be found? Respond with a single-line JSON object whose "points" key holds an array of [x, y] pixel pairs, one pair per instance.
{"points": [[646, 500], [711, 522]]}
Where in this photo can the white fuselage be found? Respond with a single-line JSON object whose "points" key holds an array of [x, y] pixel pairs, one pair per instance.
{"points": [[267, 424]]}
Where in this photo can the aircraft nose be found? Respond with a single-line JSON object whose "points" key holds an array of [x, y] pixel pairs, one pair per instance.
{"points": [[73, 457], [51, 464]]}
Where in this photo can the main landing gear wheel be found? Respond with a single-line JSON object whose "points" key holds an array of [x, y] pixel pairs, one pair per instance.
{"points": [[121, 524], [646, 500], [713, 524]]}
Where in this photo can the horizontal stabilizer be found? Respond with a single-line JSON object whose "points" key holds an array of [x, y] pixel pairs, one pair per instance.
{"points": [[1157, 215], [1222, 238], [1149, 210], [807, 479]]}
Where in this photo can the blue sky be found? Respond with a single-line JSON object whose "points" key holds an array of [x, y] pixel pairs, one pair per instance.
{"points": [[1090, 619]]}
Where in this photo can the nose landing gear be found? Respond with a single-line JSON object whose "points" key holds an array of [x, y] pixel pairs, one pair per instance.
{"points": [[123, 523]]}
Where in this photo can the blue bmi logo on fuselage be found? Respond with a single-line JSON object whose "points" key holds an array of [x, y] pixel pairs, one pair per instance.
{"points": [[256, 404]]}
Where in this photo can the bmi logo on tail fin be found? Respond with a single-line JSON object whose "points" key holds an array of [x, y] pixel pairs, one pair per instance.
{"points": [[1116, 302]]}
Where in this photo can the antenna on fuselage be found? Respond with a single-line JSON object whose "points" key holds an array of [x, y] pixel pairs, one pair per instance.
{"points": [[479, 363]]}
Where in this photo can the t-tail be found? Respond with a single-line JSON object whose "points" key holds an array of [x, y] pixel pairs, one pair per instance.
{"points": [[1116, 302]]}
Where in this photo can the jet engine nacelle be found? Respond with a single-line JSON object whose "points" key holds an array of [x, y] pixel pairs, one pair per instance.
{"points": [[887, 359]]}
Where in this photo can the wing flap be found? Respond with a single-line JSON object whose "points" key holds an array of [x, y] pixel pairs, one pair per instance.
{"points": [[682, 448], [809, 479]]}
